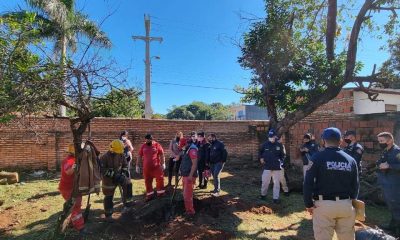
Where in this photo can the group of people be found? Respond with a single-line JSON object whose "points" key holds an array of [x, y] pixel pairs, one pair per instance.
{"points": [[331, 179], [331, 174], [192, 157]]}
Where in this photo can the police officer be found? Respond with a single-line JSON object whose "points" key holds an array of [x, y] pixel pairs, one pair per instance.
{"points": [[353, 148], [203, 158], [389, 178], [332, 181], [271, 154], [308, 149]]}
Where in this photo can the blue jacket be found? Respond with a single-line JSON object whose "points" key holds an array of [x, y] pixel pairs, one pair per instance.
{"points": [[312, 149], [335, 173], [356, 151], [216, 152], [274, 154], [392, 175]]}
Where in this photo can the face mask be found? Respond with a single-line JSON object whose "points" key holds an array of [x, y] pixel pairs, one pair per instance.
{"points": [[271, 139], [383, 145], [348, 141], [123, 138]]}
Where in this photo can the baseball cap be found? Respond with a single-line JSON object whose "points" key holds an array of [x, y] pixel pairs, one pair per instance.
{"points": [[350, 132], [331, 133], [271, 133]]}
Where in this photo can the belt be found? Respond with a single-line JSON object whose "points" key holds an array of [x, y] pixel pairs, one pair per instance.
{"points": [[333, 198]]}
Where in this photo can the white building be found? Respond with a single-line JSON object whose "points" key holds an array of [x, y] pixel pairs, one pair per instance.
{"points": [[249, 112], [389, 101]]}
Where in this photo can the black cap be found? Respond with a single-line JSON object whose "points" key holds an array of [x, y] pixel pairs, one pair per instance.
{"points": [[200, 134], [350, 132], [193, 134], [148, 136]]}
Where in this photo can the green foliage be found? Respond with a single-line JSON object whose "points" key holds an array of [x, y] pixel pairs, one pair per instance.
{"points": [[200, 111], [391, 67], [119, 103], [23, 72], [294, 70]]}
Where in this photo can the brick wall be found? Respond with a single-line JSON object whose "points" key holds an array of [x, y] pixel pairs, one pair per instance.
{"points": [[40, 143], [366, 127], [341, 104]]}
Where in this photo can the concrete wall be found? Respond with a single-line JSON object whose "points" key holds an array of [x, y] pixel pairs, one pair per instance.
{"points": [[362, 105]]}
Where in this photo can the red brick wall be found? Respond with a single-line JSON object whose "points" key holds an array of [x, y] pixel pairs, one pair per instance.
{"points": [[366, 127], [341, 104], [41, 145]]}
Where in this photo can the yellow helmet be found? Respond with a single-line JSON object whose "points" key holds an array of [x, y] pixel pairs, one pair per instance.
{"points": [[117, 146], [71, 149]]}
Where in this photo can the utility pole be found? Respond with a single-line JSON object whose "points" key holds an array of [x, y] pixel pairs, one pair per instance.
{"points": [[147, 39]]}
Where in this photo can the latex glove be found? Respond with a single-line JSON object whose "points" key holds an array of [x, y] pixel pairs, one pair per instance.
{"points": [[163, 167], [137, 169], [384, 166], [262, 161], [74, 166]]}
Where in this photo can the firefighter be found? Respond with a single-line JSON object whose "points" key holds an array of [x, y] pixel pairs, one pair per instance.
{"points": [[68, 167], [153, 157], [114, 168]]}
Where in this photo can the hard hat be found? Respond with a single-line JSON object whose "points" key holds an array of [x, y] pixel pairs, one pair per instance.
{"points": [[117, 146], [71, 149]]}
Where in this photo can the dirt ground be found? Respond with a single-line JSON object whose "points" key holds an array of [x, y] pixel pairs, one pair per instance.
{"points": [[30, 211]]}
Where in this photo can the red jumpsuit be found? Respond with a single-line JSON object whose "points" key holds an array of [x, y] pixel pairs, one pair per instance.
{"points": [[66, 187], [152, 168], [188, 184]]}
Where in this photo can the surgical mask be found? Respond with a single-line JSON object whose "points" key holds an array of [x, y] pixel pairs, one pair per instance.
{"points": [[348, 141], [271, 139], [383, 145], [123, 138]]}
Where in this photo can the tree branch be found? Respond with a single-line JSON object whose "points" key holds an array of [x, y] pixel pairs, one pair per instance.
{"points": [[331, 30]]}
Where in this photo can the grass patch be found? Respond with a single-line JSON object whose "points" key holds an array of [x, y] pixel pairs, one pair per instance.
{"points": [[31, 209]]}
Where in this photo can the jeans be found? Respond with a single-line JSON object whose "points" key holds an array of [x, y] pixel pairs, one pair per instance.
{"points": [[171, 172], [216, 169]]}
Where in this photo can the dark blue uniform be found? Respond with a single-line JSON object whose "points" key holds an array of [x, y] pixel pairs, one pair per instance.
{"points": [[312, 149], [389, 180], [336, 175], [356, 151], [273, 154]]}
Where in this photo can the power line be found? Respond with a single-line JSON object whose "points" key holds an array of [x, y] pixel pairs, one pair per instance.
{"points": [[194, 86]]}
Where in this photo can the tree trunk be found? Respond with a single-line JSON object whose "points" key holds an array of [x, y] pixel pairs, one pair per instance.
{"points": [[63, 109]]}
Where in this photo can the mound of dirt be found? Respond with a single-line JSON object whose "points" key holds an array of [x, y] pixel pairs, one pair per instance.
{"points": [[261, 210], [185, 230]]}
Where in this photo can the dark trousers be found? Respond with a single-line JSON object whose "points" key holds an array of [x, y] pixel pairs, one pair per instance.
{"points": [[173, 169], [201, 166]]}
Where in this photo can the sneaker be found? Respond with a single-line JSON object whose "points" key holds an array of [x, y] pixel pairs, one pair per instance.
{"points": [[215, 194], [203, 187], [276, 201], [263, 197]]}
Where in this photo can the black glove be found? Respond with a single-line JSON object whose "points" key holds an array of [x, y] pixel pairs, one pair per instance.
{"points": [[119, 179], [109, 173], [125, 172]]}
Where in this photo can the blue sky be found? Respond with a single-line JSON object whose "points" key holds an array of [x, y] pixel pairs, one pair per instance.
{"points": [[198, 46]]}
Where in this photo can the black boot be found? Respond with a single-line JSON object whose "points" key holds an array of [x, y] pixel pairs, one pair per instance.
{"points": [[204, 186]]}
